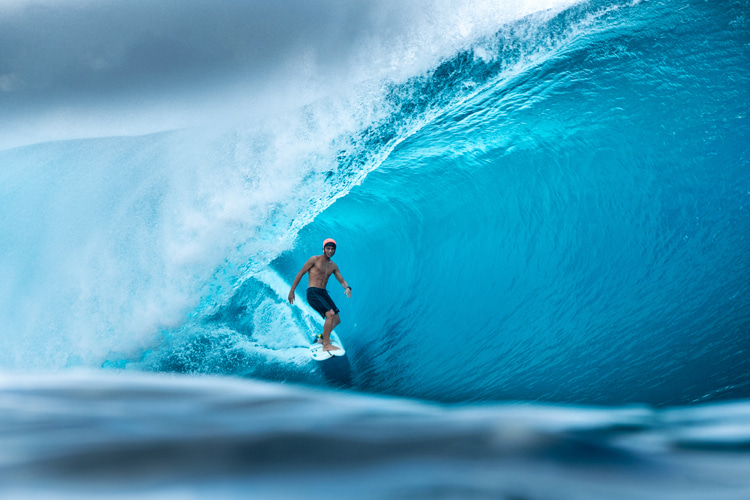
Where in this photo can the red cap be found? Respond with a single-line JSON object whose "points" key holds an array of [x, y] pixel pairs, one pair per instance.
{"points": [[329, 241]]}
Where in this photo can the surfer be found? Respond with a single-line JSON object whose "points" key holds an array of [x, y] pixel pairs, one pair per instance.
{"points": [[320, 268]]}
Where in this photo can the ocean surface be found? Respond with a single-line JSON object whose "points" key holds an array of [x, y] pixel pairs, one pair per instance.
{"points": [[542, 207]]}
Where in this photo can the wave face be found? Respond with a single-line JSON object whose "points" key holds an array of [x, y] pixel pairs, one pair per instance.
{"points": [[554, 207], [576, 232]]}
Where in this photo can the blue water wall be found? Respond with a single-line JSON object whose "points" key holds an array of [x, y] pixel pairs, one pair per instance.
{"points": [[556, 208], [578, 232]]}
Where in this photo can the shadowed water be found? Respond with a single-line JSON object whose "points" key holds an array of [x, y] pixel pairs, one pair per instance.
{"points": [[93, 435]]}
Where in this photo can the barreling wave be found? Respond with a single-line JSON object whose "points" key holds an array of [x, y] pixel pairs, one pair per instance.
{"points": [[554, 210], [574, 233], [400, 111], [556, 214]]}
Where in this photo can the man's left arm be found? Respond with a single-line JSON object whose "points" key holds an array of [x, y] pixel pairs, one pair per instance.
{"points": [[347, 288]]}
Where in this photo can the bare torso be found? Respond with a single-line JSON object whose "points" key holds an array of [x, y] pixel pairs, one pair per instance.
{"points": [[321, 270]]}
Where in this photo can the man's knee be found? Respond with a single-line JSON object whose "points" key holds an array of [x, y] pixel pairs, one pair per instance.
{"points": [[334, 316]]}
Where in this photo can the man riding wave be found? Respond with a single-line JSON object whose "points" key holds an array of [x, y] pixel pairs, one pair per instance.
{"points": [[320, 268]]}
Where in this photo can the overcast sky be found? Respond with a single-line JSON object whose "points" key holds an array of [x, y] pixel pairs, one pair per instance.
{"points": [[79, 68], [95, 67]]}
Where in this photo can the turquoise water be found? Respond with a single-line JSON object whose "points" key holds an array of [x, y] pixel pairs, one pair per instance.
{"points": [[557, 211], [575, 233], [571, 227], [546, 203]]}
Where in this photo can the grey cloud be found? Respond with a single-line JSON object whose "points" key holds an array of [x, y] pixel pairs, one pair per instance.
{"points": [[99, 47], [70, 58], [85, 64]]}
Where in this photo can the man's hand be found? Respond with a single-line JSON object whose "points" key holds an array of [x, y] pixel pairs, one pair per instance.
{"points": [[291, 296], [348, 293]]}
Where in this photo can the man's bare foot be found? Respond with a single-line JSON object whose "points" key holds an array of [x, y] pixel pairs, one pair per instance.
{"points": [[330, 347]]}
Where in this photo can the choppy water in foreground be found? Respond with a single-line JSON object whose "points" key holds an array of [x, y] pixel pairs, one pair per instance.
{"points": [[106, 435]]}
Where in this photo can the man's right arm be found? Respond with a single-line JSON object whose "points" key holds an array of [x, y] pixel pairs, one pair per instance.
{"points": [[308, 265]]}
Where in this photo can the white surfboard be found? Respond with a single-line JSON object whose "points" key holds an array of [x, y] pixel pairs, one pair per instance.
{"points": [[317, 352]]}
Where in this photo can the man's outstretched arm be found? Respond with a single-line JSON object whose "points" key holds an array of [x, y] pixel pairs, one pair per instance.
{"points": [[347, 288], [308, 265]]}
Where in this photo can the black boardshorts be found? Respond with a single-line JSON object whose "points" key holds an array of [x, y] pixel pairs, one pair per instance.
{"points": [[319, 300]]}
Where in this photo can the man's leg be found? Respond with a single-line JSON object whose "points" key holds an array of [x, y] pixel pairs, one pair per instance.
{"points": [[332, 321]]}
